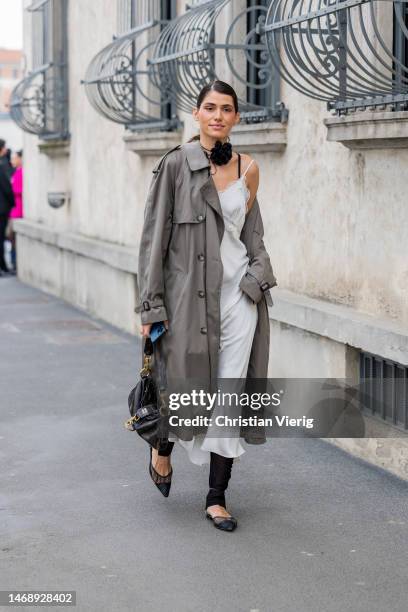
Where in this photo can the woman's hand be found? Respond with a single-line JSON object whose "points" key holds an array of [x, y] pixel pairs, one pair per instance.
{"points": [[145, 329]]}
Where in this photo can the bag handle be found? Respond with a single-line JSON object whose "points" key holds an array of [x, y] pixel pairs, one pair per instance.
{"points": [[148, 347], [147, 357]]}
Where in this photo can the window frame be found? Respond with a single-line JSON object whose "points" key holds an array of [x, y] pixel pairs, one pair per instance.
{"points": [[48, 77], [382, 399], [112, 78]]}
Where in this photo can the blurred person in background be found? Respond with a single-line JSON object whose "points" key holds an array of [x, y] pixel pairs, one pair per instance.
{"points": [[5, 158], [17, 210], [6, 203]]}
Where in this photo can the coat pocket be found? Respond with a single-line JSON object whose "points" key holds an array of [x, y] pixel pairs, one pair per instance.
{"points": [[188, 212]]}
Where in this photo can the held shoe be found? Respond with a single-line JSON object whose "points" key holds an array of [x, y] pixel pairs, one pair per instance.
{"points": [[225, 523], [163, 483]]}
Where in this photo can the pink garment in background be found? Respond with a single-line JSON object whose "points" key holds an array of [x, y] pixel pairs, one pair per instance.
{"points": [[17, 185]]}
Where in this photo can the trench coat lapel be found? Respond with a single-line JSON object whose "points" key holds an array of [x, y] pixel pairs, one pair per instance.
{"points": [[197, 160]]}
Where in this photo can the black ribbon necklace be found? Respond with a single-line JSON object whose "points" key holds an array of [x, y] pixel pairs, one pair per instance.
{"points": [[220, 154]]}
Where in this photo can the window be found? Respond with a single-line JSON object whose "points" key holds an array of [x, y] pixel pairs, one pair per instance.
{"points": [[261, 88], [352, 54], [218, 39], [39, 103], [119, 81], [400, 52], [385, 385]]}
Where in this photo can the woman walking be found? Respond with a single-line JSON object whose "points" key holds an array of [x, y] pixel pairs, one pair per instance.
{"points": [[204, 271]]}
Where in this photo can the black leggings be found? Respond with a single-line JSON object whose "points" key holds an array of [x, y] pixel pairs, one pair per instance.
{"points": [[220, 473]]}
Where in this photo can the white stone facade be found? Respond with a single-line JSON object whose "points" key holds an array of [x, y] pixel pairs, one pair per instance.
{"points": [[336, 225]]}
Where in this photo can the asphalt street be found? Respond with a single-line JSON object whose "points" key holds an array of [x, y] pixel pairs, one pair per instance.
{"points": [[318, 529]]}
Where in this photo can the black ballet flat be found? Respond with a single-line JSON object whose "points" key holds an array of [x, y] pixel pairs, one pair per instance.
{"points": [[163, 483], [222, 522]]}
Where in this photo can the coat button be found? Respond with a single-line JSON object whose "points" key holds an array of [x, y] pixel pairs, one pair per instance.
{"points": [[201, 294], [200, 257], [200, 217], [203, 330]]}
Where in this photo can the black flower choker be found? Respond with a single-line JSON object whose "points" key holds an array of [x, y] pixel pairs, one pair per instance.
{"points": [[220, 154]]}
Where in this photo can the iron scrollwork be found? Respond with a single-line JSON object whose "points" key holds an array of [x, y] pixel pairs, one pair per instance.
{"points": [[342, 51], [38, 103], [118, 80], [197, 46]]}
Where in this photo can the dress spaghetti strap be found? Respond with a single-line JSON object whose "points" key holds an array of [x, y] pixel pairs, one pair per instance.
{"points": [[248, 166]]}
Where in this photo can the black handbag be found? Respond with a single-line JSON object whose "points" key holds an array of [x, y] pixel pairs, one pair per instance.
{"points": [[146, 418]]}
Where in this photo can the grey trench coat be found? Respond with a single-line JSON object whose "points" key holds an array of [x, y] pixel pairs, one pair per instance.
{"points": [[180, 271]]}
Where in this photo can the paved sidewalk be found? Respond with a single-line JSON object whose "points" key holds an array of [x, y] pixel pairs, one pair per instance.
{"points": [[319, 531]]}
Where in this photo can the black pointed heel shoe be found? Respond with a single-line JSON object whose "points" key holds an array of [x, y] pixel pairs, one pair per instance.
{"points": [[163, 483], [223, 522]]}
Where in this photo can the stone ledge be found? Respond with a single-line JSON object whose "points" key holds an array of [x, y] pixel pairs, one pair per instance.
{"points": [[116, 256], [369, 130], [341, 323], [259, 137], [388, 452], [55, 148], [152, 143]]}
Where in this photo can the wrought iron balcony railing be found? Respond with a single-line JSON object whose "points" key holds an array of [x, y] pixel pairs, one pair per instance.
{"points": [[350, 53], [39, 102], [118, 82], [218, 39]]}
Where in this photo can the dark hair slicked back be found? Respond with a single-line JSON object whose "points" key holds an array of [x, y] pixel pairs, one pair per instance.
{"points": [[219, 87]]}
